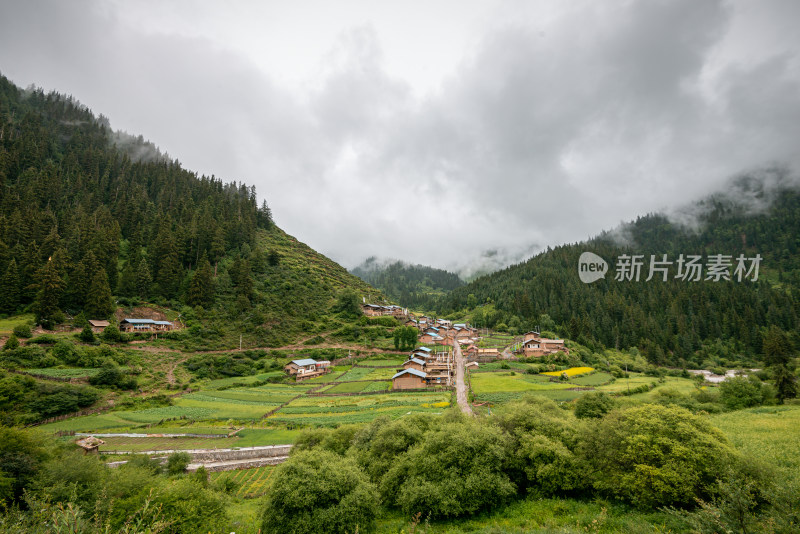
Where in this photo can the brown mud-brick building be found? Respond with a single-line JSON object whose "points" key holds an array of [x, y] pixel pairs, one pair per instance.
{"points": [[533, 344], [98, 326], [410, 379]]}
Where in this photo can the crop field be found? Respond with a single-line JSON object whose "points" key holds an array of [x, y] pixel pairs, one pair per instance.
{"points": [[498, 365], [595, 379], [572, 371], [122, 443], [496, 341], [356, 373], [621, 384], [381, 374], [507, 382], [385, 361], [327, 411], [223, 408], [224, 382], [768, 433], [348, 387], [250, 482]]}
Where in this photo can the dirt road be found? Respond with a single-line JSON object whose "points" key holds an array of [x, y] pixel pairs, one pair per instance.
{"points": [[461, 385]]}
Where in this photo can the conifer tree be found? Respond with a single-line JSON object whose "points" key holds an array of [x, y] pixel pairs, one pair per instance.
{"points": [[169, 276], [98, 300], [143, 279], [50, 288], [9, 288], [127, 280], [201, 287]]}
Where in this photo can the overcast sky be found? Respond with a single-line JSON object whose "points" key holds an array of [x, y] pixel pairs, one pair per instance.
{"points": [[437, 132]]}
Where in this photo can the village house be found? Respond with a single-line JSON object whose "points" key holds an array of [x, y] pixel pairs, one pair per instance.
{"points": [[432, 339], [306, 368], [144, 325], [98, 326], [409, 379], [377, 310], [533, 344], [415, 363]]}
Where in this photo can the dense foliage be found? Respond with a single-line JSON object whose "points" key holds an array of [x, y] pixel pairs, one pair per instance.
{"points": [[413, 286], [676, 322]]}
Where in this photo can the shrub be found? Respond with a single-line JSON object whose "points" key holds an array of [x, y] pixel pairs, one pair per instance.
{"points": [[544, 440], [86, 335], [593, 405], [177, 462], [23, 330], [456, 470], [12, 343], [741, 392], [319, 491], [653, 456], [111, 334]]}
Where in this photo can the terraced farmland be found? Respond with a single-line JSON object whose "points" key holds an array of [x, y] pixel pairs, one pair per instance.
{"points": [[137, 444], [250, 482]]}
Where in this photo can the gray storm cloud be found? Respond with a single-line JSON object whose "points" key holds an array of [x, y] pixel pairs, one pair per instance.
{"points": [[555, 123]]}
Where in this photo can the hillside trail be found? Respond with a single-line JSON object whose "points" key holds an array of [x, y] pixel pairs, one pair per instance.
{"points": [[461, 386]]}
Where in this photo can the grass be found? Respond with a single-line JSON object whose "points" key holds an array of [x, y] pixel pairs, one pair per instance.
{"points": [[356, 373], [223, 382], [594, 379], [63, 373], [767, 433], [385, 361], [541, 515], [7, 325], [572, 371]]}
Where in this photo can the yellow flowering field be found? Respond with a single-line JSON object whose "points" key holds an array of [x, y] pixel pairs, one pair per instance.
{"points": [[572, 371]]}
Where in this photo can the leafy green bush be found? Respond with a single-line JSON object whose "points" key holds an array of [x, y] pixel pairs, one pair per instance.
{"points": [[23, 330], [320, 491], [742, 392], [653, 456], [457, 469], [593, 405], [177, 462]]}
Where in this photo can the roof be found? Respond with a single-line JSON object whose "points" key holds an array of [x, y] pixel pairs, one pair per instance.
{"points": [[138, 321], [304, 362], [416, 360], [460, 325], [90, 442], [411, 372], [423, 349], [98, 323], [163, 322]]}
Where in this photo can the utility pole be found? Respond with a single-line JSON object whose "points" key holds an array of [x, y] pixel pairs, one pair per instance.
{"points": [[240, 341]]}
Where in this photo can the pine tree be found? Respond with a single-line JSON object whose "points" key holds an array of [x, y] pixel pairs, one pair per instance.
{"points": [[127, 280], [169, 276], [98, 300], [50, 288], [9, 288], [201, 287], [143, 280]]}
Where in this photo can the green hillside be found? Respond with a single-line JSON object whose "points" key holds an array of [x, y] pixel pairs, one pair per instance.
{"points": [[91, 219], [677, 322], [413, 286]]}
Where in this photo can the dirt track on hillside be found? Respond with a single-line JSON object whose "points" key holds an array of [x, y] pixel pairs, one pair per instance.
{"points": [[461, 386]]}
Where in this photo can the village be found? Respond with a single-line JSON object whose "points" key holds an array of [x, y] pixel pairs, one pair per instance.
{"points": [[428, 368]]}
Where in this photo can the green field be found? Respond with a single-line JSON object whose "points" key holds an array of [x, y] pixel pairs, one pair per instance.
{"points": [[768, 433], [8, 325], [595, 379], [250, 482]]}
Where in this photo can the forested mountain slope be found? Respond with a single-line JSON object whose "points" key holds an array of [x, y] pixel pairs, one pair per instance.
{"points": [[413, 286], [87, 213], [677, 321]]}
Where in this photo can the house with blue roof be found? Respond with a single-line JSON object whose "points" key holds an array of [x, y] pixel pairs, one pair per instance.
{"points": [[305, 368], [130, 324]]}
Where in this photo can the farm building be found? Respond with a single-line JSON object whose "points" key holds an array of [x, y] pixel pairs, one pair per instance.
{"points": [[432, 338], [409, 379], [306, 368], [144, 325], [533, 344], [90, 444], [98, 326], [377, 310], [414, 363]]}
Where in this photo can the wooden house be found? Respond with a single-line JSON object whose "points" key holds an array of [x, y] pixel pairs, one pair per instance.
{"points": [[414, 363], [434, 339], [98, 326], [409, 379]]}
